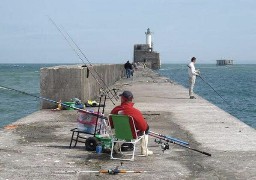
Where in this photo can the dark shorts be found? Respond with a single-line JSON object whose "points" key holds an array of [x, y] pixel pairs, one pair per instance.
{"points": [[146, 132]]}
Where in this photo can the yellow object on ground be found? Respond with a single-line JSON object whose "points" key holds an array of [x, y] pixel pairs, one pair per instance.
{"points": [[92, 103]]}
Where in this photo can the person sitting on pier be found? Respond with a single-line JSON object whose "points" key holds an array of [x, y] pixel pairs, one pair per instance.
{"points": [[141, 124]]}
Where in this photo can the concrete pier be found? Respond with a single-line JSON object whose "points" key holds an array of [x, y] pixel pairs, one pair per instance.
{"points": [[37, 146], [75, 81]]}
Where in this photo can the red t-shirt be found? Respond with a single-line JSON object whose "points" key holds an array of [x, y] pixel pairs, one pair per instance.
{"points": [[128, 109]]}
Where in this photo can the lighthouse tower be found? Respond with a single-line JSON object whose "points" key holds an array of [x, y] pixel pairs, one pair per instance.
{"points": [[144, 54], [149, 39]]}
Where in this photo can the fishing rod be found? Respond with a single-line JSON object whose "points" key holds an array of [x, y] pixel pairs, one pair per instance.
{"points": [[83, 60], [169, 137], [90, 64], [211, 87], [114, 171], [50, 100], [182, 145], [214, 90], [66, 40], [75, 52]]}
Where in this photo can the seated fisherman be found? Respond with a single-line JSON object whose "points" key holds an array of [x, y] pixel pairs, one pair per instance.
{"points": [[127, 108]]}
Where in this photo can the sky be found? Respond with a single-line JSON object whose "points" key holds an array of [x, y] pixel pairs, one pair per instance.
{"points": [[107, 30]]}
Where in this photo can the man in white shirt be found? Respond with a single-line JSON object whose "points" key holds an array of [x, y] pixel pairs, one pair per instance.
{"points": [[192, 72]]}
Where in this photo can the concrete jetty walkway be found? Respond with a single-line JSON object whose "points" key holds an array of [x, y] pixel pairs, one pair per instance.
{"points": [[37, 146]]}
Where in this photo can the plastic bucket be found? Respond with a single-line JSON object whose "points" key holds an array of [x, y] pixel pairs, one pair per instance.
{"points": [[98, 149]]}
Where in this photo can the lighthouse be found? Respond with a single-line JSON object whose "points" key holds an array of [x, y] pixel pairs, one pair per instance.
{"points": [[144, 54], [149, 39]]}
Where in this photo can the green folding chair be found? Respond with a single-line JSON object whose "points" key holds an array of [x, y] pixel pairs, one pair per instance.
{"points": [[124, 132]]}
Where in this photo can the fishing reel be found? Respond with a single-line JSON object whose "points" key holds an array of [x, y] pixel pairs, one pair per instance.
{"points": [[114, 171], [158, 141], [164, 145]]}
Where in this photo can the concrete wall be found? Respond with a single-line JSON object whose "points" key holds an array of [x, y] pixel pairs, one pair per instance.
{"points": [[69, 81]]}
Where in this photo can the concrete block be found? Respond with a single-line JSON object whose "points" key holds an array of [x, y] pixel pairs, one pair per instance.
{"points": [[69, 81]]}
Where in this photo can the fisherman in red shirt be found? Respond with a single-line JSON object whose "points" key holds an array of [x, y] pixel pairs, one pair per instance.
{"points": [[127, 108]]}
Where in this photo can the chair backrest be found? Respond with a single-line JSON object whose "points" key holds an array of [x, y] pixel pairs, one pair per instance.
{"points": [[124, 127]]}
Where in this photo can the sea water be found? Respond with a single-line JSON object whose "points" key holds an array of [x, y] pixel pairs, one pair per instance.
{"points": [[23, 77], [236, 84], [232, 88]]}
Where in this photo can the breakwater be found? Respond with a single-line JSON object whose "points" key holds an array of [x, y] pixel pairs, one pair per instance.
{"points": [[75, 81], [37, 146]]}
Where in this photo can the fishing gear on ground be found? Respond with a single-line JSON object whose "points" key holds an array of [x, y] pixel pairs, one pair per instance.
{"points": [[171, 138], [75, 102], [177, 143], [91, 103], [53, 101], [114, 171], [164, 145]]}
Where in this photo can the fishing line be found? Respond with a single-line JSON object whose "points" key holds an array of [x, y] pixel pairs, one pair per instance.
{"points": [[90, 64], [214, 90], [72, 47], [108, 90], [49, 100], [66, 40], [237, 107]]}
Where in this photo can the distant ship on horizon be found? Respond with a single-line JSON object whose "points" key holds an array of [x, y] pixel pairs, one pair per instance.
{"points": [[223, 62]]}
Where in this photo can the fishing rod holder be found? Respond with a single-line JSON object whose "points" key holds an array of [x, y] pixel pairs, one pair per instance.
{"points": [[158, 141], [108, 91], [115, 90]]}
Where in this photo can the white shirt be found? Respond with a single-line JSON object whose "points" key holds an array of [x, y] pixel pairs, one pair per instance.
{"points": [[192, 70]]}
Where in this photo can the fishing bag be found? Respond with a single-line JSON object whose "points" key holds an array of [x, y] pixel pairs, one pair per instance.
{"points": [[86, 122]]}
